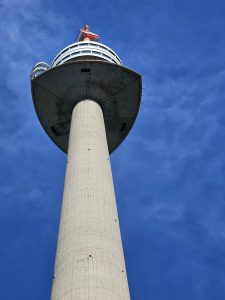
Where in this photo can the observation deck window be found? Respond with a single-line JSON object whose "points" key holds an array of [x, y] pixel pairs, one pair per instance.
{"points": [[96, 52], [86, 51]]}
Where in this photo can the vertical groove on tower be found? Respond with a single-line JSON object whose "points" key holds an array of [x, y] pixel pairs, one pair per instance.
{"points": [[89, 260]]}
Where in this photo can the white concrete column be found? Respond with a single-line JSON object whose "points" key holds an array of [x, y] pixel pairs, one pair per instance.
{"points": [[89, 261]]}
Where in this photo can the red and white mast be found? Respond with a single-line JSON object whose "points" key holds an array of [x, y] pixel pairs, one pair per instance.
{"points": [[86, 35]]}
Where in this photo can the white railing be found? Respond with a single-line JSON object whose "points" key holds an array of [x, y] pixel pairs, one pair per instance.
{"points": [[80, 49], [38, 69]]}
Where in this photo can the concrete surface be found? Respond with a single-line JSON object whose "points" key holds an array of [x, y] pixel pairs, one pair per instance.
{"points": [[89, 262]]}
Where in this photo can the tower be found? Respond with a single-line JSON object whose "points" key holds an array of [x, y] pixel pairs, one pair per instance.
{"points": [[87, 102]]}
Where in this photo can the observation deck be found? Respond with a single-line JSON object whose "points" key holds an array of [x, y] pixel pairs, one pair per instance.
{"points": [[78, 51], [90, 49], [85, 70]]}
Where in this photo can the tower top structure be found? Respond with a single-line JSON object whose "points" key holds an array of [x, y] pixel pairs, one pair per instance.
{"points": [[86, 69]]}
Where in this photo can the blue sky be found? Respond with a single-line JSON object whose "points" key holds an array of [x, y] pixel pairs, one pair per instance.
{"points": [[169, 172]]}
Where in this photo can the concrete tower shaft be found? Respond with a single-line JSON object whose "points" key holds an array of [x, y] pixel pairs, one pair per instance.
{"points": [[89, 262]]}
